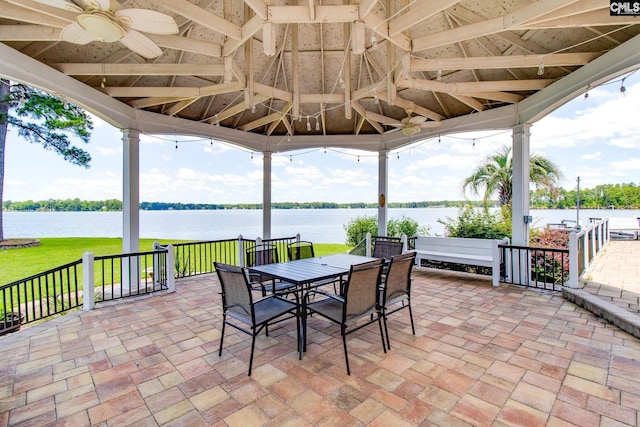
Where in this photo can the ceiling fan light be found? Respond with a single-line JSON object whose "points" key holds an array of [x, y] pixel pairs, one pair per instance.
{"points": [[100, 26]]}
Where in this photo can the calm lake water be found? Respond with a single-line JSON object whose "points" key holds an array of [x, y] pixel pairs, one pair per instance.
{"points": [[317, 225]]}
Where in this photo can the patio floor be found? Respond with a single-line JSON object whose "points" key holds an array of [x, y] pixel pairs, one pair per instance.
{"points": [[481, 356]]}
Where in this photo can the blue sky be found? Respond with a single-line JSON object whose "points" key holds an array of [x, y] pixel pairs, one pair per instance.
{"points": [[597, 139]]}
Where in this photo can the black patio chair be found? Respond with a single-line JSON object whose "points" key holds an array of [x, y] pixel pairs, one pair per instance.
{"points": [[241, 311], [395, 289], [359, 301], [300, 250], [386, 249], [263, 254]]}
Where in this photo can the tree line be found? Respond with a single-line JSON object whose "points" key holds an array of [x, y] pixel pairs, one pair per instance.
{"points": [[77, 205], [618, 196]]}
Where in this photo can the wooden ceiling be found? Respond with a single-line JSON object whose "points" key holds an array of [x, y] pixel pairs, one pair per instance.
{"points": [[295, 68]]}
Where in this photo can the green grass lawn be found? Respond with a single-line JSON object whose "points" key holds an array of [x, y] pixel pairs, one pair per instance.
{"points": [[17, 264]]}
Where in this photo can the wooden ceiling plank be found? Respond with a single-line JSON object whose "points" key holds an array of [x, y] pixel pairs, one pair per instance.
{"points": [[596, 18], [202, 17], [321, 98], [418, 12], [152, 102], [497, 62], [573, 9], [490, 26], [365, 7], [86, 69], [151, 92]]}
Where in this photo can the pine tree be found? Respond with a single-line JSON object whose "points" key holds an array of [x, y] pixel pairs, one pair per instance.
{"points": [[44, 119]]}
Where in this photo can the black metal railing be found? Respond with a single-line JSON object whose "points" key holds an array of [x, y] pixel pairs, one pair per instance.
{"points": [[541, 268], [41, 296], [361, 247], [194, 258], [128, 275]]}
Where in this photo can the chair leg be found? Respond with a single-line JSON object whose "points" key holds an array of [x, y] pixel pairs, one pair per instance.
{"points": [[346, 355], [382, 334], [222, 335], [253, 346], [413, 328], [386, 330]]}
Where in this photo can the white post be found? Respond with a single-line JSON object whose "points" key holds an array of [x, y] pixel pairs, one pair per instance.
{"points": [[368, 243], [573, 260], [266, 195], [520, 201], [88, 283], [240, 251], [383, 189], [171, 275], [131, 191], [405, 244]]}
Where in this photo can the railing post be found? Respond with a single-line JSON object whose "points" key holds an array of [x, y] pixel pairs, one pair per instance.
{"points": [[240, 251], [156, 263], [573, 260], [405, 244], [88, 283], [171, 277], [297, 237], [368, 248]]}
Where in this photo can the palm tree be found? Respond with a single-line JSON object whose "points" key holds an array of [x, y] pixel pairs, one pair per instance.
{"points": [[495, 174]]}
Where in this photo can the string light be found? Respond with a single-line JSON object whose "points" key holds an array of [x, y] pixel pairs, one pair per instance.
{"points": [[376, 100], [317, 124], [358, 159], [290, 158], [541, 69], [341, 81], [325, 150], [474, 143], [103, 83], [586, 94], [253, 109], [623, 90], [374, 42], [252, 155], [308, 124], [288, 137], [210, 141], [439, 75], [217, 120], [176, 144]]}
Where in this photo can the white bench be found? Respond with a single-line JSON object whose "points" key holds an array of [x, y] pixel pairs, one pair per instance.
{"points": [[480, 252]]}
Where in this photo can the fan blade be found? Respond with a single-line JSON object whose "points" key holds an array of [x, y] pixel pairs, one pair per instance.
{"points": [[410, 130], [96, 4], [62, 4], [141, 44], [417, 120], [148, 21], [74, 33]]}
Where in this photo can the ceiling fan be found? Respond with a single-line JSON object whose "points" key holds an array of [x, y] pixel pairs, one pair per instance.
{"points": [[411, 125], [106, 21]]}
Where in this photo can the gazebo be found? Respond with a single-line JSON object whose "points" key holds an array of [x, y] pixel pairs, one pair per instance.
{"points": [[281, 75]]}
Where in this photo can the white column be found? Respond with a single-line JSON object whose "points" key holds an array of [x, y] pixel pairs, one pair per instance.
{"points": [[131, 191], [130, 207], [383, 188], [266, 195], [520, 199]]}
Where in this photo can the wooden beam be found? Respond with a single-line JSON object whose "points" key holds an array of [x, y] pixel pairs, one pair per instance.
{"points": [[269, 38], [346, 72], [180, 106], [295, 70], [29, 33], [202, 17], [378, 26], [485, 86], [174, 92], [469, 101], [236, 109], [571, 10], [86, 69], [272, 92], [259, 7], [266, 119], [418, 12], [152, 102], [302, 14], [357, 37], [321, 98], [511, 98], [187, 44], [410, 105], [312, 9], [490, 26], [249, 29], [365, 7], [283, 116], [497, 62], [594, 18], [361, 110], [13, 12]]}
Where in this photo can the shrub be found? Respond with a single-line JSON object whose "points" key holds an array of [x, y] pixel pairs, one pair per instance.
{"points": [[547, 267], [477, 223], [357, 228]]}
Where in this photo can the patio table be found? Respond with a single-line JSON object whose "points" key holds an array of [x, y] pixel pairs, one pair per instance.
{"points": [[304, 272]]}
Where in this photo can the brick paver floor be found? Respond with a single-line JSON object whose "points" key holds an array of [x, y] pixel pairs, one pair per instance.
{"points": [[481, 356]]}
